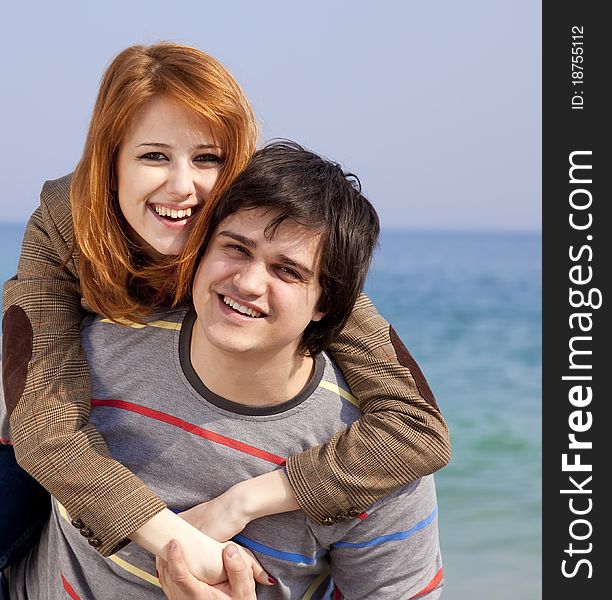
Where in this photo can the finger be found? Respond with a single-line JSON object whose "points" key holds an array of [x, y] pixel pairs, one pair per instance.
{"points": [[239, 573], [160, 564], [177, 567], [259, 573], [161, 570]]}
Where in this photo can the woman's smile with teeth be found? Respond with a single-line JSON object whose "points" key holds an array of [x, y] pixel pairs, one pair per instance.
{"points": [[163, 211], [250, 312]]}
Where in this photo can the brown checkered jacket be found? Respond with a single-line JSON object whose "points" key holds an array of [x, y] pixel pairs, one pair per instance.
{"points": [[402, 435]]}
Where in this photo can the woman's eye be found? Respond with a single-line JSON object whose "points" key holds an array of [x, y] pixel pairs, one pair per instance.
{"points": [[209, 158], [156, 156]]}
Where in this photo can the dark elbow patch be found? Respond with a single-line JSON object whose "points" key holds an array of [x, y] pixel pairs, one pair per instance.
{"points": [[16, 354], [405, 359]]}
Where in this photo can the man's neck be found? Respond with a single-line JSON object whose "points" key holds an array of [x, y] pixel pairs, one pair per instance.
{"points": [[249, 378]]}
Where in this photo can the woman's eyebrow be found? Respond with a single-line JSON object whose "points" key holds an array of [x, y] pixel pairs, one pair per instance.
{"points": [[162, 145]]}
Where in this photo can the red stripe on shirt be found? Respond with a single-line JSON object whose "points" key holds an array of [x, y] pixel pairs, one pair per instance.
{"points": [[199, 431], [69, 590], [6, 442], [431, 585]]}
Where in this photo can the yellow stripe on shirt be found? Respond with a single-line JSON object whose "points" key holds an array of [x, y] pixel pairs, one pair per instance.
{"points": [[135, 570], [160, 324], [126, 566], [332, 387], [315, 585]]}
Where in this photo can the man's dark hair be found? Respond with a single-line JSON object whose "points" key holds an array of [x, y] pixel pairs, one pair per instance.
{"points": [[300, 186]]}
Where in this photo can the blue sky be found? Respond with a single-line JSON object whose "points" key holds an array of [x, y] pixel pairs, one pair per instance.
{"points": [[435, 105]]}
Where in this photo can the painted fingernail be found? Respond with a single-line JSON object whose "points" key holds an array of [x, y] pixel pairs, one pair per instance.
{"points": [[271, 580]]}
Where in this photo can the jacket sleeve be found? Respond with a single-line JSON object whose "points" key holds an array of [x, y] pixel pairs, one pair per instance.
{"points": [[400, 437], [46, 385]]}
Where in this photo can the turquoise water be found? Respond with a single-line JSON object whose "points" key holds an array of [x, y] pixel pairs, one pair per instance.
{"points": [[468, 306]]}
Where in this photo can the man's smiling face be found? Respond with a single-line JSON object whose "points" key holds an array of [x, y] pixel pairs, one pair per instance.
{"points": [[254, 293]]}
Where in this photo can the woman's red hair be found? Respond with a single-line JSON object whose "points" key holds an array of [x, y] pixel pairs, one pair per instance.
{"points": [[117, 279]]}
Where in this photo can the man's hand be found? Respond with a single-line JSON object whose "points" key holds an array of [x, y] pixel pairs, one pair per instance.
{"points": [[179, 584]]}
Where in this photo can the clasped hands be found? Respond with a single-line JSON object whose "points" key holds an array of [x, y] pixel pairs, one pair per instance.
{"points": [[221, 519]]}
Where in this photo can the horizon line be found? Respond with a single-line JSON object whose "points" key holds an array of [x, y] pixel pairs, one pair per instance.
{"points": [[408, 228]]}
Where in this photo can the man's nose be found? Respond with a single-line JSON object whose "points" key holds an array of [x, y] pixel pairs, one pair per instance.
{"points": [[251, 279]]}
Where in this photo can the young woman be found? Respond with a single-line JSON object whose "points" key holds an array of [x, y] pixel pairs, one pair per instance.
{"points": [[120, 237]]}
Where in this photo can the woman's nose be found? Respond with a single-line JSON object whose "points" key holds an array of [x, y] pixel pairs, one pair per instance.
{"points": [[180, 182]]}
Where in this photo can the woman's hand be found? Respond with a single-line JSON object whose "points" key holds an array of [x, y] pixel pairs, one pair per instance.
{"points": [[228, 514], [179, 584], [222, 517]]}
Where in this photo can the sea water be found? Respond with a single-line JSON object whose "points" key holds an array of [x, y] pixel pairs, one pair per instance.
{"points": [[468, 307]]}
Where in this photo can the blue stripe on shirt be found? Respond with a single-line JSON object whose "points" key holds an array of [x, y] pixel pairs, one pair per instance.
{"points": [[392, 537], [269, 551], [251, 544], [295, 557]]}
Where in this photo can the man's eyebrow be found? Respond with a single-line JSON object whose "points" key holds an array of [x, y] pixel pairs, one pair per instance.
{"points": [[239, 238], [284, 259], [292, 263]]}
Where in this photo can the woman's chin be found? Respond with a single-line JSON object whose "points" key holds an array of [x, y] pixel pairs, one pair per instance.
{"points": [[162, 248], [158, 246]]}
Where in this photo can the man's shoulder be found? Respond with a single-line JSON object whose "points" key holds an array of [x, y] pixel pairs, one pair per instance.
{"points": [[170, 319], [333, 381], [331, 370], [145, 346]]}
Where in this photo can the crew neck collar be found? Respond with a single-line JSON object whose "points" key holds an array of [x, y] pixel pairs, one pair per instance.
{"points": [[230, 405]]}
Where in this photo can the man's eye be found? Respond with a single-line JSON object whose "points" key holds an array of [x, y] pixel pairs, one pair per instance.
{"points": [[155, 156], [290, 273], [238, 249]]}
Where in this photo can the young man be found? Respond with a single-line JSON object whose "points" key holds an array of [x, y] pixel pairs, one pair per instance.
{"points": [[198, 400]]}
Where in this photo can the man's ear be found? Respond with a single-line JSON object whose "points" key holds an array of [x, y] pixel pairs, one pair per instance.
{"points": [[318, 315], [322, 302]]}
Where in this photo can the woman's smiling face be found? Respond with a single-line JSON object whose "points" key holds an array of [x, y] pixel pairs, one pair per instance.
{"points": [[166, 167]]}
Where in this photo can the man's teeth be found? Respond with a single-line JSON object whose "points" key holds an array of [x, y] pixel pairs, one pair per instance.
{"points": [[170, 212], [241, 309]]}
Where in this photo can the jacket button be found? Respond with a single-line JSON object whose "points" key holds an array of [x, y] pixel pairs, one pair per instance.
{"points": [[95, 542], [86, 532], [353, 513], [77, 523], [328, 521], [341, 517]]}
